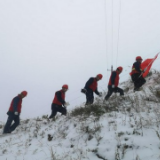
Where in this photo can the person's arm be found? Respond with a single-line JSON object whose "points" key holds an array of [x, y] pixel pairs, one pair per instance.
{"points": [[88, 83], [15, 104], [59, 97], [96, 91]]}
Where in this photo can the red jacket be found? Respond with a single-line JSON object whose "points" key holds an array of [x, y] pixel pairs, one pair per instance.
{"points": [[59, 98], [93, 86], [136, 68], [16, 104], [114, 79]]}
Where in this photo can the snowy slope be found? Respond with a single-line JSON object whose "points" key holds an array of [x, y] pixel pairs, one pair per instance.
{"points": [[127, 129]]}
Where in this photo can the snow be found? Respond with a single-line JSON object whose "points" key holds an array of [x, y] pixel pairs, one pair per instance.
{"points": [[130, 131]]}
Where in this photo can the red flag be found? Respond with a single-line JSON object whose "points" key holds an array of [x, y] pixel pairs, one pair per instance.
{"points": [[146, 65]]}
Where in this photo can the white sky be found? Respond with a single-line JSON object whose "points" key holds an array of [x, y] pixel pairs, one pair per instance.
{"points": [[45, 44]]}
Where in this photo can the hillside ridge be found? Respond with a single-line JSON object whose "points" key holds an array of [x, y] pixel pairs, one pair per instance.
{"points": [[118, 129]]}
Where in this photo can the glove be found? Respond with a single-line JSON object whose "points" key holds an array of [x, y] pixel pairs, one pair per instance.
{"points": [[84, 91], [113, 86], [66, 104], [16, 113], [100, 94]]}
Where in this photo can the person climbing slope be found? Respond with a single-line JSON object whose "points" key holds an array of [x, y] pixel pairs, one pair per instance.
{"points": [[59, 104], [14, 113], [113, 83], [137, 74], [91, 88]]}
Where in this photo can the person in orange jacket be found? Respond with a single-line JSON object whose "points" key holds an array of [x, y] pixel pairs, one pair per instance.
{"points": [[113, 83], [59, 104], [90, 87], [137, 73], [14, 113]]}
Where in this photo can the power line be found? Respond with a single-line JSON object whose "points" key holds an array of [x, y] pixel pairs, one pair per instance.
{"points": [[112, 34], [118, 32], [105, 16]]}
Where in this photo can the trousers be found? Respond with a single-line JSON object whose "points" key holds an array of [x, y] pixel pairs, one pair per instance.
{"points": [[111, 90], [9, 127], [57, 108], [138, 80], [89, 97]]}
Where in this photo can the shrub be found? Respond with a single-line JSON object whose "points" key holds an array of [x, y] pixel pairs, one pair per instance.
{"points": [[45, 117], [94, 109], [158, 94], [149, 74], [126, 89]]}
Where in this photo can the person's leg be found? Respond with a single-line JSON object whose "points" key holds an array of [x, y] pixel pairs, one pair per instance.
{"points": [[15, 124], [8, 124], [110, 91], [142, 81], [119, 90], [54, 111], [133, 77], [89, 97], [136, 80], [62, 110]]}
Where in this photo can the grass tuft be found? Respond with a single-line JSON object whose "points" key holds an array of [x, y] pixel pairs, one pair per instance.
{"points": [[94, 109], [158, 93]]}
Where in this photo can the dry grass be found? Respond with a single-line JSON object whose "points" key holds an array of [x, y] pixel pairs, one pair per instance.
{"points": [[95, 110]]}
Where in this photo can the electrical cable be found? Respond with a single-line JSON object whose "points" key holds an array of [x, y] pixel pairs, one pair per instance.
{"points": [[118, 32]]}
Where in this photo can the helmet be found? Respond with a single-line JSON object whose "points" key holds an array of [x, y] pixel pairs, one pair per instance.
{"points": [[24, 93], [65, 86], [138, 58], [99, 76], [120, 68]]}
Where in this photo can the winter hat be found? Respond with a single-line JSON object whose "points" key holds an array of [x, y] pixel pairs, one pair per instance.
{"points": [[99, 76], [139, 58], [24, 93], [120, 68], [65, 86]]}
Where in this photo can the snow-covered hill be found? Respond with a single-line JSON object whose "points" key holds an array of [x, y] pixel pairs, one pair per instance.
{"points": [[120, 129]]}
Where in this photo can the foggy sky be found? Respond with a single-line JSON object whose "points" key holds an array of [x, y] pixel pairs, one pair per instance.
{"points": [[45, 44]]}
